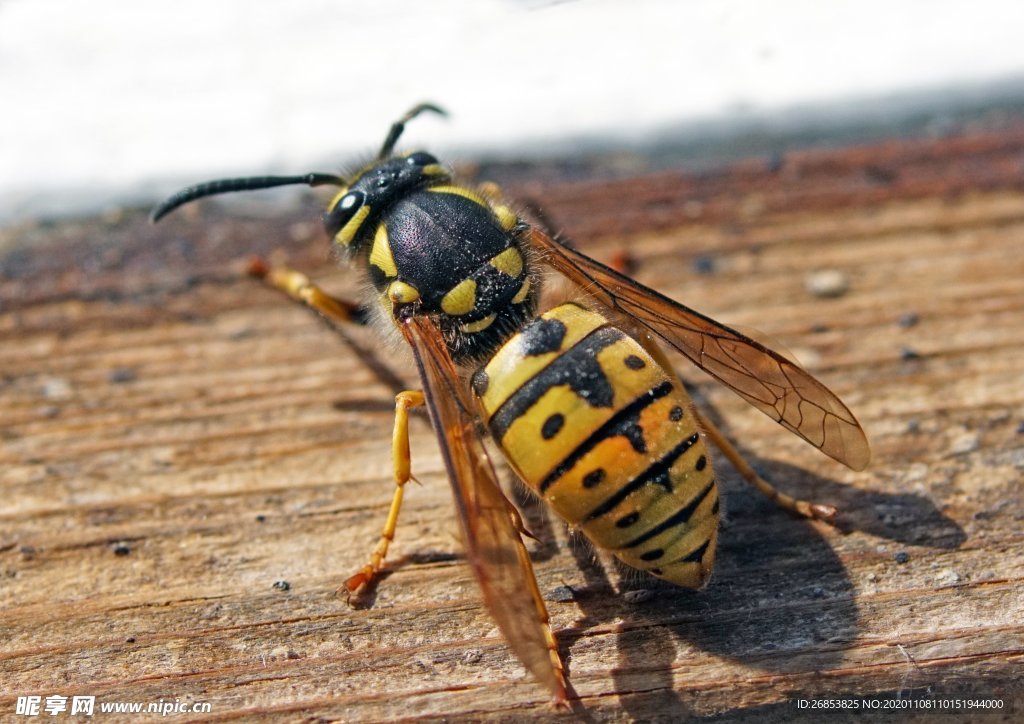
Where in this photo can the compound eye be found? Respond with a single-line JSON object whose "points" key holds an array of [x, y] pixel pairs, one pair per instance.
{"points": [[420, 158], [343, 211]]}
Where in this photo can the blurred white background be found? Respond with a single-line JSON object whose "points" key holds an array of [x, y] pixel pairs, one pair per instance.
{"points": [[109, 102]]}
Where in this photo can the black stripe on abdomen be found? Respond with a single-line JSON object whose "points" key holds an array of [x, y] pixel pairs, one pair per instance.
{"points": [[577, 367], [657, 473], [679, 518], [625, 422]]}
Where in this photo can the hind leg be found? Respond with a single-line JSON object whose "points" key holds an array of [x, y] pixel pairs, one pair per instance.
{"points": [[787, 502]]}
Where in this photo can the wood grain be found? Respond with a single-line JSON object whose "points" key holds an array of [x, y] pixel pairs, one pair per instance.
{"points": [[176, 439]]}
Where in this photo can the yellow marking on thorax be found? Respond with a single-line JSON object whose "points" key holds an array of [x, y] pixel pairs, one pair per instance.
{"points": [[460, 191], [523, 293], [461, 299], [348, 232], [478, 326], [506, 217], [509, 262], [380, 254]]}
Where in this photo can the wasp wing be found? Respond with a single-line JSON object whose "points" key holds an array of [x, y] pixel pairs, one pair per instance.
{"points": [[493, 544], [773, 384]]}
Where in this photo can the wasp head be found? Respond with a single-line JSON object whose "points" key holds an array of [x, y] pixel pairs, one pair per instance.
{"points": [[374, 191]]}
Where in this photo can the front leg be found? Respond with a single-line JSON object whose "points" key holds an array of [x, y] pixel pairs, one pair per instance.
{"points": [[300, 288]]}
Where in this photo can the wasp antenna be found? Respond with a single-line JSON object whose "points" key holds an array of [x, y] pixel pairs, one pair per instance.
{"points": [[249, 183], [398, 126]]}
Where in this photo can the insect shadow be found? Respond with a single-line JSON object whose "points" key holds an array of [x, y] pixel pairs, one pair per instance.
{"points": [[780, 600]]}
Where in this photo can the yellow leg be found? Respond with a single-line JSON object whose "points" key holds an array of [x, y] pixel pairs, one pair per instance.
{"points": [[404, 401], [794, 505], [299, 287]]}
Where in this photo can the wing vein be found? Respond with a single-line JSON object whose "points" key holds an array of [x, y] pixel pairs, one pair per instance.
{"points": [[778, 387]]}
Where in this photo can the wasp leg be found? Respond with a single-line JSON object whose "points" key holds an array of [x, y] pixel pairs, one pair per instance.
{"points": [[794, 505], [517, 521], [299, 287], [404, 401]]}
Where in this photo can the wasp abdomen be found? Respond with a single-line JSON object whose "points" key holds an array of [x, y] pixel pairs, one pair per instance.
{"points": [[604, 434]]}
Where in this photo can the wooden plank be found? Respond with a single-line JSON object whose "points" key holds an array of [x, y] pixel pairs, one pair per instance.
{"points": [[176, 439]]}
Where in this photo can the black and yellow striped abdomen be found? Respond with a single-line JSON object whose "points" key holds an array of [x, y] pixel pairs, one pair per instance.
{"points": [[604, 434]]}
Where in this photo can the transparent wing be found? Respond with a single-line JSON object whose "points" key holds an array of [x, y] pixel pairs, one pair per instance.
{"points": [[494, 547], [773, 384]]}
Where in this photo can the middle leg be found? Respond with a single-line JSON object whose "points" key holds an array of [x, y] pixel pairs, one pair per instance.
{"points": [[404, 401]]}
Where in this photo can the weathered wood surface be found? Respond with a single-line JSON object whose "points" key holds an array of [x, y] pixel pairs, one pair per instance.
{"points": [[177, 438]]}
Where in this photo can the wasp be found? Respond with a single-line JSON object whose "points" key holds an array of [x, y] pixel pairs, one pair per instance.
{"points": [[580, 398]]}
